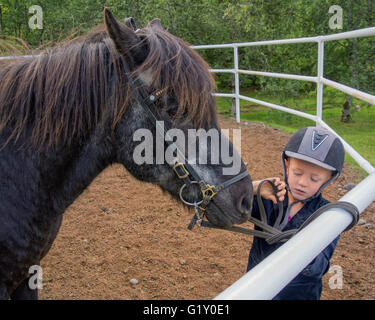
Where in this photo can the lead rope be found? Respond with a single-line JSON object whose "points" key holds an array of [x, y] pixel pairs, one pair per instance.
{"points": [[273, 234]]}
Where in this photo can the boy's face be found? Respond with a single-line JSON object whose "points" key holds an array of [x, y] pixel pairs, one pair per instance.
{"points": [[305, 178]]}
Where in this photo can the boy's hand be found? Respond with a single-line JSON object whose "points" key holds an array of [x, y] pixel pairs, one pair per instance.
{"points": [[267, 192]]}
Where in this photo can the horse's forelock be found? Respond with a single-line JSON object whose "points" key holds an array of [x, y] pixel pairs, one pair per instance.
{"points": [[172, 64]]}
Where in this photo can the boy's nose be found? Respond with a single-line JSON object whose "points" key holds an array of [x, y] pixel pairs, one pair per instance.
{"points": [[302, 181]]}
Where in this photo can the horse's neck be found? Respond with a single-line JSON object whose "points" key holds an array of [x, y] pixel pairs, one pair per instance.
{"points": [[87, 163]]}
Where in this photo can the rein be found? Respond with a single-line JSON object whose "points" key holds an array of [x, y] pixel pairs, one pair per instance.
{"points": [[181, 167], [274, 234]]}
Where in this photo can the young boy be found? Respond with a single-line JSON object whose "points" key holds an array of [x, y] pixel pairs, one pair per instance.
{"points": [[312, 158]]}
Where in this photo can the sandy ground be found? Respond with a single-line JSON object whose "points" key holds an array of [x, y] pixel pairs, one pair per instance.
{"points": [[121, 229]]}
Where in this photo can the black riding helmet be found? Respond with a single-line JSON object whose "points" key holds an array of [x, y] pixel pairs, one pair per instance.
{"points": [[317, 146]]}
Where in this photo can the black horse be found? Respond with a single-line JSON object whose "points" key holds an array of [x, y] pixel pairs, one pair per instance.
{"points": [[70, 112]]}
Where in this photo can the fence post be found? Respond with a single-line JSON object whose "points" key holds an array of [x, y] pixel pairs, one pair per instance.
{"points": [[319, 98], [237, 84]]}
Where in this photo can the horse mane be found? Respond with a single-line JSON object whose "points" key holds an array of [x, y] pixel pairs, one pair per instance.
{"points": [[66, 91]]}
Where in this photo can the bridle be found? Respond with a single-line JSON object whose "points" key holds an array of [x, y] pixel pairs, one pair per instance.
{"points": [[181, 167]]}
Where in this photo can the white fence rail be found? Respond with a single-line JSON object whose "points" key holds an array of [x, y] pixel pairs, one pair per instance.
{"points": [[270, 276], [16, 57]]}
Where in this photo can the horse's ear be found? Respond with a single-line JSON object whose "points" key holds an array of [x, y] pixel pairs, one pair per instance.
{"points": [[125, 39], [130, 23], [156, 23]]}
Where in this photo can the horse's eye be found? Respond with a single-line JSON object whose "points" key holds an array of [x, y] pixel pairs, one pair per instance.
{"points": [[172, 111], [173, 114], [170, 106]]}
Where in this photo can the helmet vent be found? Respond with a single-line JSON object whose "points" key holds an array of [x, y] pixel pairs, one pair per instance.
{"points": [[317, 140]]}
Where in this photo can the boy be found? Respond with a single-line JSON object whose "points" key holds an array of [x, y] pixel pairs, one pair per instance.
{"points": [[312, 158]]}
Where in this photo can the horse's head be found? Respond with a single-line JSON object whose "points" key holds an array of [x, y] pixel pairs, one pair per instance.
{"points": [[178, 87]]}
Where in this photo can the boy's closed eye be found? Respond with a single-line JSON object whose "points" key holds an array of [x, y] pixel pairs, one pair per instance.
{"points": [[297, 173]]}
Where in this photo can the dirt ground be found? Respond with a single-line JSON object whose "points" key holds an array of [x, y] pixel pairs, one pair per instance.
{"points": [[121, 229]]}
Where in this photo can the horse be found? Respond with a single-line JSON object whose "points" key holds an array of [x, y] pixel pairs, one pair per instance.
{"points": [[70, 112]]}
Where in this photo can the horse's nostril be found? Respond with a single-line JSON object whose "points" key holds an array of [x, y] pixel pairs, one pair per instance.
{"points": [[244, 204]]}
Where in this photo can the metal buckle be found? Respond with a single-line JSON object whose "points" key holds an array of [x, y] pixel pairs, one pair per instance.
{"points": [[160, 92], [185, 173], [157, 94], [208, 190]]}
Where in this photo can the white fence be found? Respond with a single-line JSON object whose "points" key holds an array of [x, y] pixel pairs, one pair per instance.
{"points": [[270, 276], [318, 79], [15, 57]]}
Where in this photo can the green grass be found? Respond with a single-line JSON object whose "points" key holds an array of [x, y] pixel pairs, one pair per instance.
{"points": [[359, 133]]}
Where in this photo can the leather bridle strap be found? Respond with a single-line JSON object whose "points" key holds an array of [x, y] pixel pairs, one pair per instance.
{"points": [[147, 103]]}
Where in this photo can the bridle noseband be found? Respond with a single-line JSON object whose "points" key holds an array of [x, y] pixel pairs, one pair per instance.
{"points": [[181, 167]]}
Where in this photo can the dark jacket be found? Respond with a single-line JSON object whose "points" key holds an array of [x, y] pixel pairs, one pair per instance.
{"points": [[307, 285]]}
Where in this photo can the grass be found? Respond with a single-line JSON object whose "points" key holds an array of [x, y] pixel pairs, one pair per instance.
{"points": [[359, 133]]}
